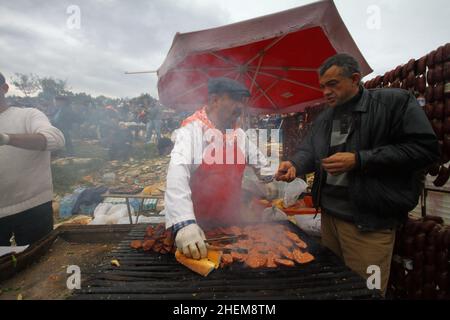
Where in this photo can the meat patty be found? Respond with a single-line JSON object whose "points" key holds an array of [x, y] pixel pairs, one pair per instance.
{"points": [[255, 261], [285, 262], [302, 257], [226, 259], [136, 244]]}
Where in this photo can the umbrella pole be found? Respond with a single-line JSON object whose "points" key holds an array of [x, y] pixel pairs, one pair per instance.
{"points": [[245, 119]]}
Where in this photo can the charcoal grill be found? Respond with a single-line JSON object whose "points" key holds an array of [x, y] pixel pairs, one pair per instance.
{"points": [[144, 275]]}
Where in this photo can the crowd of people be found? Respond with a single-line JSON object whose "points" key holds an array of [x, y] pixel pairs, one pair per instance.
{"points": [[115, 125]]}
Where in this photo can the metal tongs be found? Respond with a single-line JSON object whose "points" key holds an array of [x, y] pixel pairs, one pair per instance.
{"points": [[225, 239], [226, 250]]}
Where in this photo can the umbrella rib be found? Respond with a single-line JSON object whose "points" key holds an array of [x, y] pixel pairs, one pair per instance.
{"points": [[263, 92], [197, 87], [201, 69], [256, 73], [286, 68], [205, 73], [267, 89], [224, 59], [291, 81], [190, 90], [273, 43]]}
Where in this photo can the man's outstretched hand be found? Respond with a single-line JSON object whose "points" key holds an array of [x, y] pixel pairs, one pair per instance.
{"points": [[286, 172]]}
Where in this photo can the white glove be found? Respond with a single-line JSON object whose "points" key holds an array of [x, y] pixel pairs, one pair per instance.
{"points": [[190, 240], [4, 139], [273, 214]]}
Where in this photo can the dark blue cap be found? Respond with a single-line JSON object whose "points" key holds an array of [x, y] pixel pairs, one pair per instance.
{"points": [[235, 89]]}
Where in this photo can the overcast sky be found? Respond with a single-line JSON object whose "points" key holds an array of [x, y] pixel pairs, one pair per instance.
{"points": [[118, 35]]}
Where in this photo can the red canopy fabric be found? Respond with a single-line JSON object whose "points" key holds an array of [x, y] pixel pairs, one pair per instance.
{"points": [[275, 56]]}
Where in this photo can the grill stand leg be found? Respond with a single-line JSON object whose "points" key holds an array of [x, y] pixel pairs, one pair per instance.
{"points": [[129, 210]]}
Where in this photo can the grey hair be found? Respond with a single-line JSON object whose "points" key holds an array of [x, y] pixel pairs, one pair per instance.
{"points": [[348, 64], [2, 79]]}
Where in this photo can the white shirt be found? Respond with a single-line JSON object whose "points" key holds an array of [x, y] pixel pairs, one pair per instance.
{"points": [[191, 145], [25, 175]]}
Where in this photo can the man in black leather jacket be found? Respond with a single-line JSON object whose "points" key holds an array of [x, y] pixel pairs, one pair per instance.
{"points": [[368, 152]]}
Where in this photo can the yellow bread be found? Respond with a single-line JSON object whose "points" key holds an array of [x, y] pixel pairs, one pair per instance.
{"points": [[203, 266], [215, 256]]}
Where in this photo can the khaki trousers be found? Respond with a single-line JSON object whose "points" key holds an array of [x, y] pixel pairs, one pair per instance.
{"points": [[359, 249]]}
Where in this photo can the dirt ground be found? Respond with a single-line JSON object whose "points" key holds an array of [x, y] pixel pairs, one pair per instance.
{"points": [[46, 279]]}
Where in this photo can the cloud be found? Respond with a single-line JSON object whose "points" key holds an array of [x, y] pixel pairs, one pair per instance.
{"points": [[115, 36]]}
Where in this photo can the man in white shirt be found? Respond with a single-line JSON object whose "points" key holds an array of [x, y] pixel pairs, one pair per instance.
{"points": [[207, 164], [26, 191]]}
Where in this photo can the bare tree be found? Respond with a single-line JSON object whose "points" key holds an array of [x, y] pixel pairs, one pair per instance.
{"points": [[26, 83], [51, 87]]}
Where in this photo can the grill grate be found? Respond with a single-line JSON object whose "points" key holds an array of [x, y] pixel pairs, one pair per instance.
{"points": [[144, 275]]}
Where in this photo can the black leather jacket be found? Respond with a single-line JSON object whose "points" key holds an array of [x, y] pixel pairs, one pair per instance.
{"points": [[394, 143]]}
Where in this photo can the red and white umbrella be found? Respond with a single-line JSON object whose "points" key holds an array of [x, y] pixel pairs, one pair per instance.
{"points": [[276, 56]]}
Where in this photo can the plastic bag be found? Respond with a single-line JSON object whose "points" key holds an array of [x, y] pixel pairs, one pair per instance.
{"points": [[251, 183], [126, 220], [273, 214], [116, 212], [310, 223], [275, 189], [99, 219], [120, 210], [102, 209], [67, 204], [292, 191]]}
